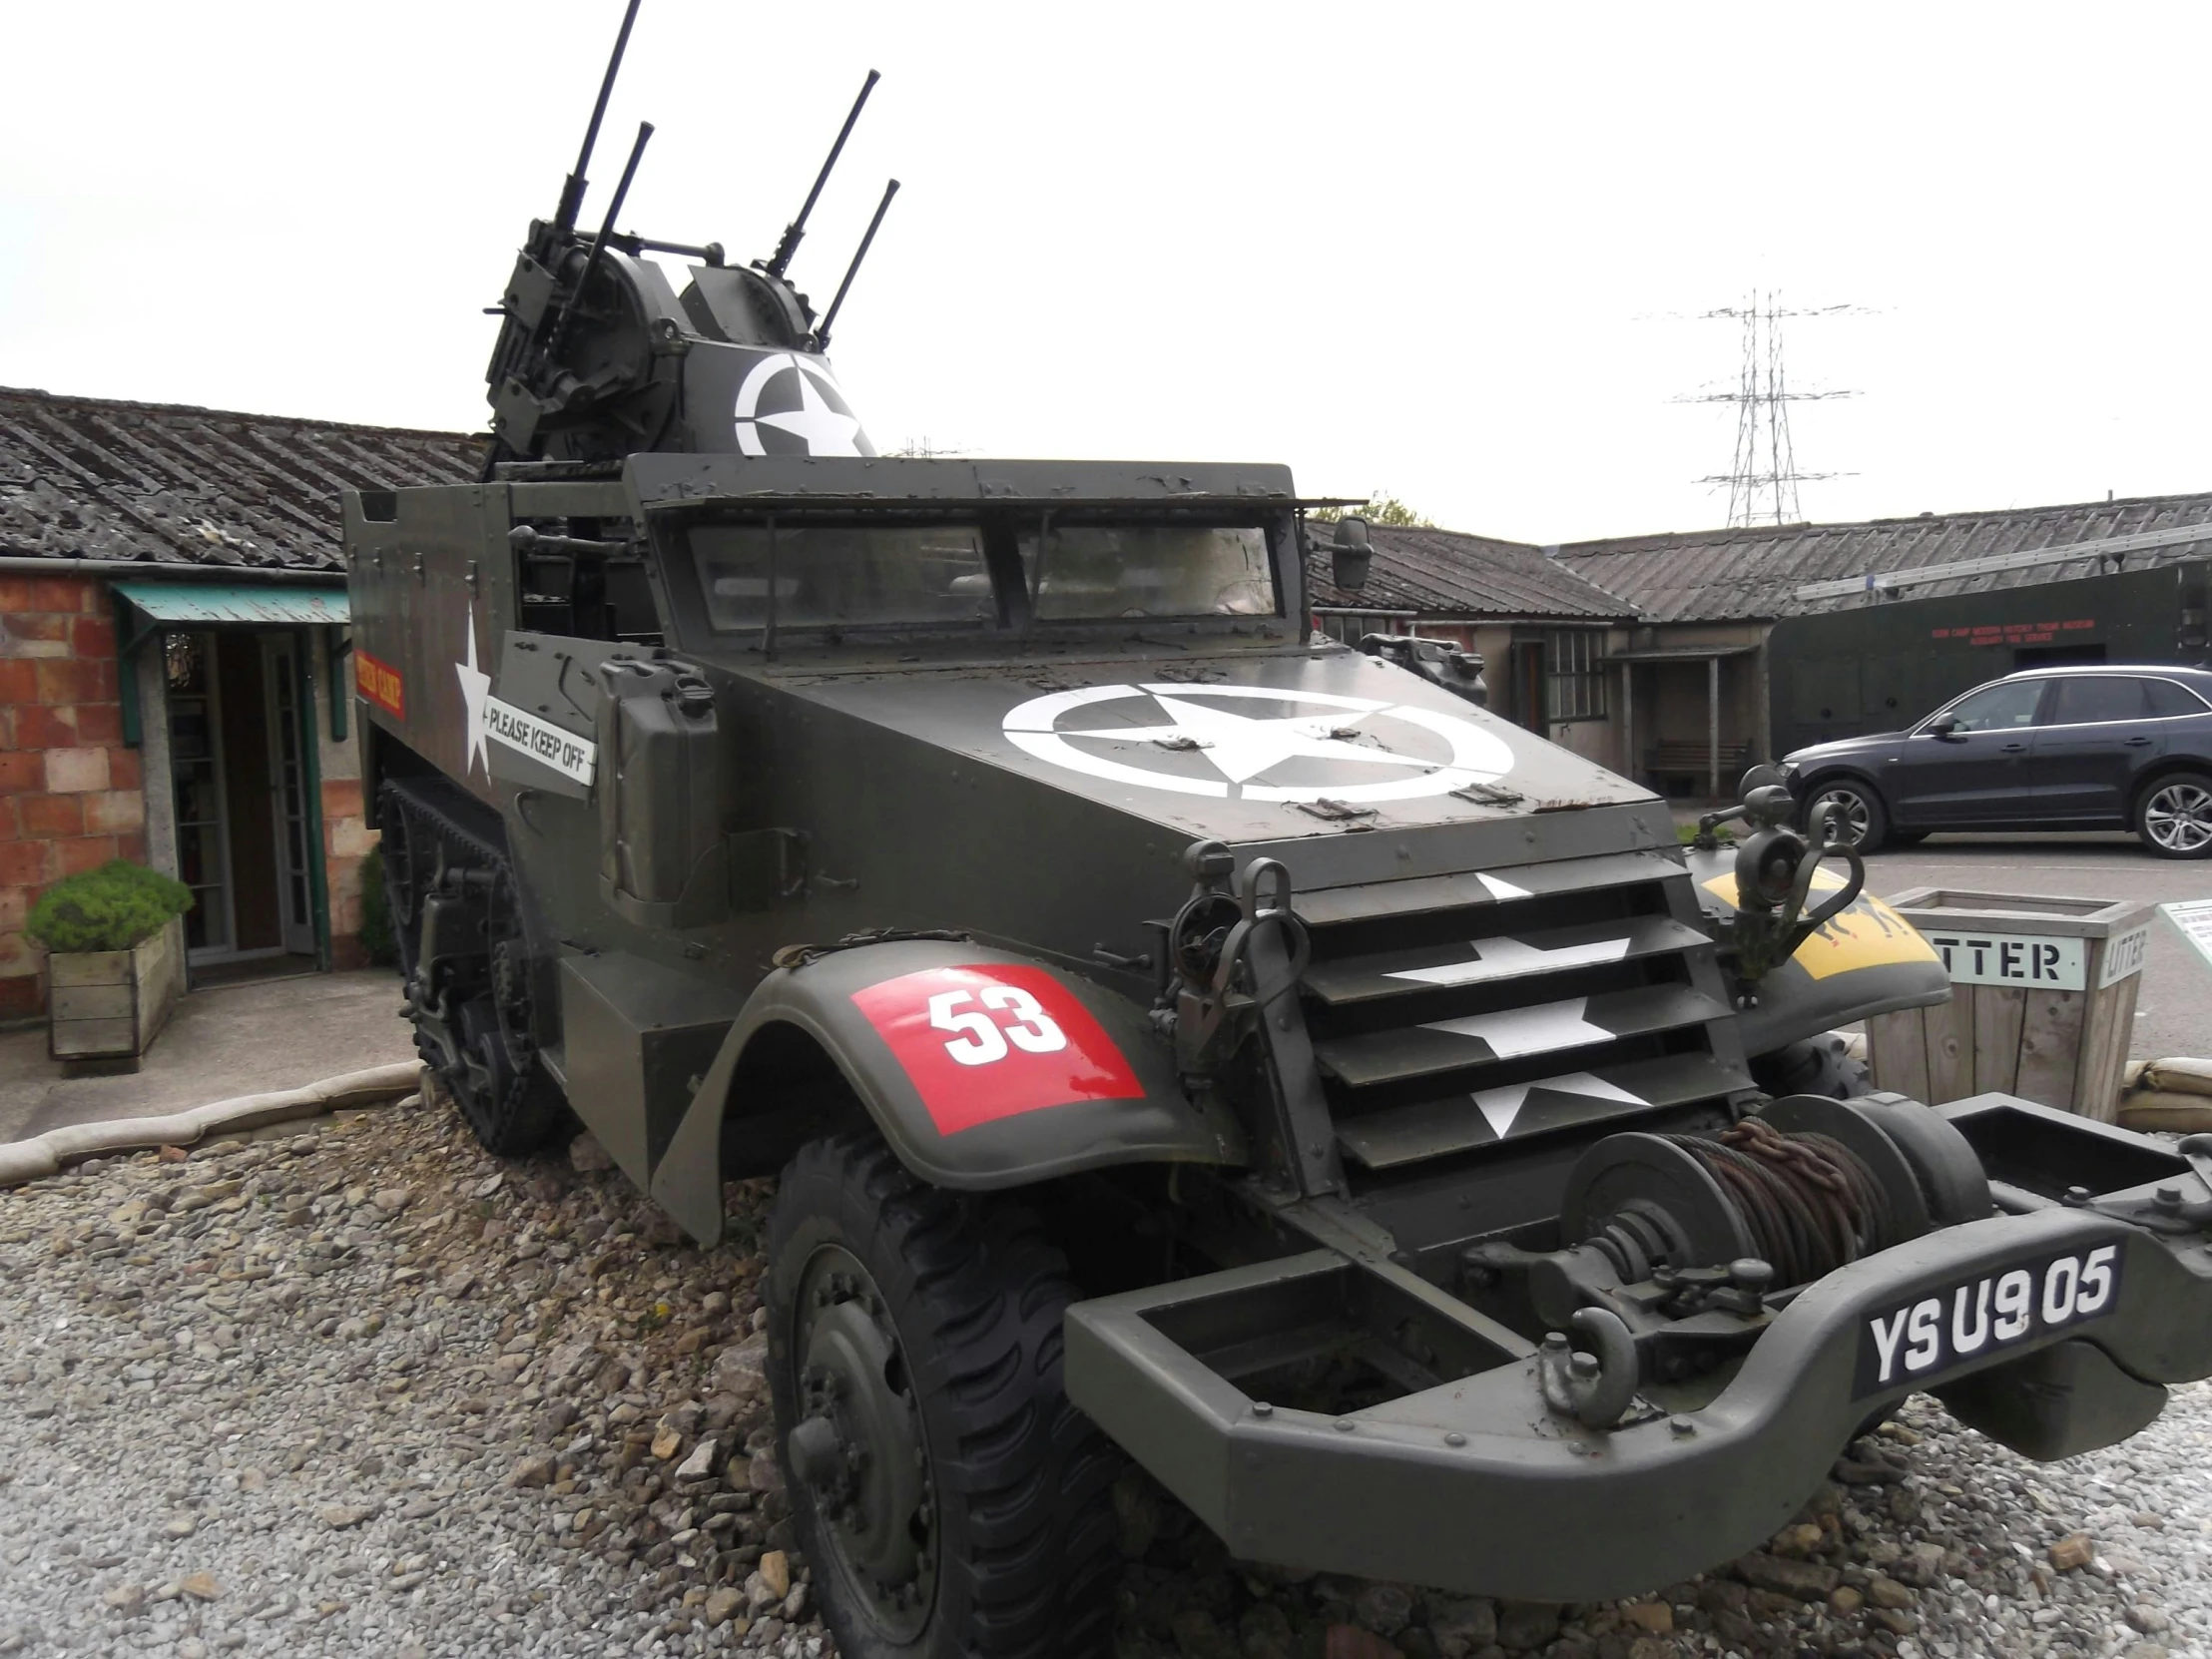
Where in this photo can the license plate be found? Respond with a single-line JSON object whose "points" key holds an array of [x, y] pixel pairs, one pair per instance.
{"points": [[1919, 1340]]}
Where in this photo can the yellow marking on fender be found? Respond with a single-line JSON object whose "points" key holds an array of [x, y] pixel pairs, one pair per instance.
{"points": [[1868, 935]]}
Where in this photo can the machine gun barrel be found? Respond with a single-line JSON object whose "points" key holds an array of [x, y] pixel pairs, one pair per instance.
{"points": [[780, 259], [572, 189], [599, 244], [822, 335]]}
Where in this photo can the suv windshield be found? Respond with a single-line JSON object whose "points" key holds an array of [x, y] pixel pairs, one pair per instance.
{"points": [[878, 573]]}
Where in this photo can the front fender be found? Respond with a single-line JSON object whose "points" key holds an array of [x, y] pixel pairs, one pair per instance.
{"points": [[980, 1068], [1868, 960]]}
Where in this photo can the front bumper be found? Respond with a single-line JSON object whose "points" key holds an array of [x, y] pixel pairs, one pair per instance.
{"points": [[1472, 1486]]}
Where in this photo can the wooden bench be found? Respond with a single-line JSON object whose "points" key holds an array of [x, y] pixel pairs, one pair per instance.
{"points": [[1692, 759]]}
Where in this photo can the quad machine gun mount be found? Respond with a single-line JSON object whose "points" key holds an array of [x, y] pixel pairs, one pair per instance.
{"points": [[598, 356]]}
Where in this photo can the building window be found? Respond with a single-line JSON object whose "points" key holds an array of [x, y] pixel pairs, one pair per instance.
{"points": [[1574, 680], [1350, 628]]}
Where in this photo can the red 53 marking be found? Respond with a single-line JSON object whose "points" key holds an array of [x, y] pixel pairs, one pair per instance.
{"points": [[1029, 1029], [993, 1040]]}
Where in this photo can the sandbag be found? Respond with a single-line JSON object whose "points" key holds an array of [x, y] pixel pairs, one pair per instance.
{"points": [[43, 1155], [2162, 1110], [2182, 1076]]}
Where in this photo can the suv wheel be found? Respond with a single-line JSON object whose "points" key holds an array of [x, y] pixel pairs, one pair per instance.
{"points": [[953, 1503], [2175, 816], [1864, 820]]}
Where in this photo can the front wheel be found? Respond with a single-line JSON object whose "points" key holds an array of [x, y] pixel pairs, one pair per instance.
{"points": [[1862, 818], [954, 1504], [2174, 815]]}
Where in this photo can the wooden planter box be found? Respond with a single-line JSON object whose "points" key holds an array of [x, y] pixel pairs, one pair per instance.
{"points": [[108, 1005], [2042, 1000]]}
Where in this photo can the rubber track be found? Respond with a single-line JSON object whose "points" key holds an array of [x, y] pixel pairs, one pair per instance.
{"points": [[532, 1111], [1039, 1568]]}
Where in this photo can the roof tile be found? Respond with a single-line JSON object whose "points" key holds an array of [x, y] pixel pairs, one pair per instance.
{"points": [[1720, 575], [1442, 572], [158, 483]]}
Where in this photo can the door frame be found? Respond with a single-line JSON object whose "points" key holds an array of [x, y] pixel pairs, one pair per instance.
{"points": [[204, 641], [281, 683]]}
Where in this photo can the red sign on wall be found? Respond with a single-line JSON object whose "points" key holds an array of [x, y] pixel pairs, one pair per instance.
{"points": [[381, 684], [993, 1040], [2013, 633]]}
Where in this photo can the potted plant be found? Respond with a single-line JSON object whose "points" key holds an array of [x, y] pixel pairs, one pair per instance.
{"points": [[115, 944]]}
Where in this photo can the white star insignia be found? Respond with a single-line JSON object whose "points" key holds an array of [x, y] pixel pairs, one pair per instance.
{"points": [[822, 428], [1241, 747], [1500, 957], [475, 687], [1501, 1106]]}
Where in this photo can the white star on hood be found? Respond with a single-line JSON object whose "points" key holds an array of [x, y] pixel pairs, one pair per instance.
{"points": [[475, 687], [1241, 747]]}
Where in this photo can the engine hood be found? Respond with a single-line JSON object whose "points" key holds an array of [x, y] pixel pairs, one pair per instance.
{"points": [[1238, 748], [1815, 753]]}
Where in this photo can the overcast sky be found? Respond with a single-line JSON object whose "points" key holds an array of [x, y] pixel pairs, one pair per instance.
{"points": [[1454, 253]]}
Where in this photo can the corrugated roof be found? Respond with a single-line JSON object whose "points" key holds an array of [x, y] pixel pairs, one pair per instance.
{"points": [[157, 483], [1444, 573], [1715, 575]]}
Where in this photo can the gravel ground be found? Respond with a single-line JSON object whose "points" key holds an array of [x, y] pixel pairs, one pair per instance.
{"points": [[364, 1391]]}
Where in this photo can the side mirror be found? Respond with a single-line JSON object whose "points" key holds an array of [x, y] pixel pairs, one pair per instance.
{"points": [[1351, 554], [1941, 728]]}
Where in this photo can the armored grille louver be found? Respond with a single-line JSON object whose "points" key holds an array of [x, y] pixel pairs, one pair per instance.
{"points": [[1451, 1012]]}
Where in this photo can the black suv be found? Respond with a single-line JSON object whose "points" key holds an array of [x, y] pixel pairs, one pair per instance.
{"points": [[2104, 747]]}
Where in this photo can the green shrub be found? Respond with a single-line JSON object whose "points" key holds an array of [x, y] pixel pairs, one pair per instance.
{"points": [[375, 934], [108, 908]]}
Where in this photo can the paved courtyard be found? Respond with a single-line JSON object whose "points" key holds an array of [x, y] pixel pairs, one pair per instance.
{"points": [[223, 1041]]}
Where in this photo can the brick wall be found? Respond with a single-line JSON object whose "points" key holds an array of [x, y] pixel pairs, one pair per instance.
{"points": [[347, 840], [346, 834], [69, 788]]}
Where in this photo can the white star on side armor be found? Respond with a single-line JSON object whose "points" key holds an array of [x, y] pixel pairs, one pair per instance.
{"points": [[475, 687]]}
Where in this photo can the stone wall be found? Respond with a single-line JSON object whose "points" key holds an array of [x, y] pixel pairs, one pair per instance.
{"points": [[70, 796]]}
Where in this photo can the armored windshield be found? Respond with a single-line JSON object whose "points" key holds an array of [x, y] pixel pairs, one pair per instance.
{"points": [[1147, 570], [963, 574], [828, 576]]}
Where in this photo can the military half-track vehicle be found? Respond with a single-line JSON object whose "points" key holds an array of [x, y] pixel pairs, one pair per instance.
{"points": [[1179, 1037]]}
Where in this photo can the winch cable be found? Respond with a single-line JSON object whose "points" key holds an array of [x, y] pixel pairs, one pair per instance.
{"points": [[1808, 1201]]}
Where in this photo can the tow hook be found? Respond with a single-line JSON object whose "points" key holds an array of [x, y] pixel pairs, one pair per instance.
{"points": [[1596, 1388]]}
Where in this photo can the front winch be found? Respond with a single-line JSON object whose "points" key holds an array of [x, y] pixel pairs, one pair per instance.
{"points": [[1686, 1244]]}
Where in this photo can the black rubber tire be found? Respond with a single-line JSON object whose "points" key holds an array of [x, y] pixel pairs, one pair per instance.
{"points": [[2163, 794], [1024, 1542], [1819, 1065], [1873, 809]]}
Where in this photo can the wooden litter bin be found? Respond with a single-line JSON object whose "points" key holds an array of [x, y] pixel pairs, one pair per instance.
{"points": [[2042, 1000]]}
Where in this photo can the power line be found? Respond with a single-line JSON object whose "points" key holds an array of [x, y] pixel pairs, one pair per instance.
{"points": [[1763, 476]]}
